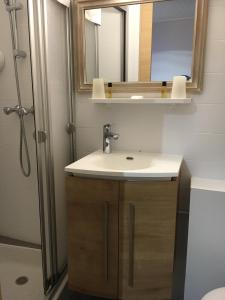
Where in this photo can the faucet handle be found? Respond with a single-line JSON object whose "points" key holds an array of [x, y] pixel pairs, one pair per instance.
{"points": [[106, 129], [107, 126], [107, 136]]}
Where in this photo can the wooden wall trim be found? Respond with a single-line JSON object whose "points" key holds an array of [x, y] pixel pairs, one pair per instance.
{"points": [[79, 48], [145, 46]]}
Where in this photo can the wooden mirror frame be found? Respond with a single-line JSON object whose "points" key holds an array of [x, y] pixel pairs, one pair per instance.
{"points": [[199, 38]]}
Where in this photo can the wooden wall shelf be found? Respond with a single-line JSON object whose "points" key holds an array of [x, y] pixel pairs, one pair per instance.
{"points": [[140, 101]]}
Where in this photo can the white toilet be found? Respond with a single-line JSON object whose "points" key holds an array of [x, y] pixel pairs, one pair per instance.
{"points": [[218, 294]]}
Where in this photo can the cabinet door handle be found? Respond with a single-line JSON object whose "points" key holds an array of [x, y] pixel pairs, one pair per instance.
{"points": [[131, 244], [106, 239]]}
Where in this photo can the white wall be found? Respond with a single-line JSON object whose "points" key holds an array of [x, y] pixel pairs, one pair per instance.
{"points": [[110, 45], [173, 28], [19, 206], [206, 244], [133, 36], [172, 49], [90, 50], [197, 131]]}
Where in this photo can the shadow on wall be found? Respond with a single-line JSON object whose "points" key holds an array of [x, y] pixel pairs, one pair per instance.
{"points": [[69, 295]]}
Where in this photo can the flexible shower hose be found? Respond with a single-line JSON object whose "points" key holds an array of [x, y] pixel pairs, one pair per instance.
{"points": [[23, 141]]}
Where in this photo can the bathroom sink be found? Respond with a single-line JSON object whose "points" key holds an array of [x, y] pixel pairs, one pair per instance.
{"points": [[127, 165]]}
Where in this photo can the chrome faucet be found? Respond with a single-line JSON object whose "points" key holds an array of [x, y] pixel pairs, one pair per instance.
{"points": [[107, 136], [21, 111]]}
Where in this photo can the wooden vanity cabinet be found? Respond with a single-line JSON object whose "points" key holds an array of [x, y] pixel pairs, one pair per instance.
{"points": [[93, 236], [122, 237], [147, 218]]}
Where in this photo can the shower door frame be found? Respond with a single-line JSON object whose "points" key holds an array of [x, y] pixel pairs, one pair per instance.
{"points": [[45, 164]]}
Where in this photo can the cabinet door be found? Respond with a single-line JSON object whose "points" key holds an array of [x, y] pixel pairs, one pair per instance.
{"points": [[93, 236], [147, 239]]}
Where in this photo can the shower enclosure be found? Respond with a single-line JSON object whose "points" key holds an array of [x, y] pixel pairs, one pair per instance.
{"points": [[37, 141]]}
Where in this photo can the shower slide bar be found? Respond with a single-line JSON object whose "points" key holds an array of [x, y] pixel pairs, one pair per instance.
{"points": [[12, 6]]}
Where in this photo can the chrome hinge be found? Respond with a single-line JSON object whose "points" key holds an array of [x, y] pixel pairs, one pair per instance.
{"points": [[19, 53], [70, 128], [41, 135]]}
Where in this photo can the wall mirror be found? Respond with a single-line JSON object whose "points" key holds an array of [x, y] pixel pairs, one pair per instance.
{"points": [[138, 44]]}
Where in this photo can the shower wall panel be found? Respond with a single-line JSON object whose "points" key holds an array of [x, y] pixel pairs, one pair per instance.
{"points": [[19, 204]]}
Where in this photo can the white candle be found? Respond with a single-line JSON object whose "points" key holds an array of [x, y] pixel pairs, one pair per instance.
{"points": [[179, 87], [98, 90]]}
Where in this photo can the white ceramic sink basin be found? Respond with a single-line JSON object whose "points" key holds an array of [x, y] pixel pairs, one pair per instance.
{"points": [[127, 165]]}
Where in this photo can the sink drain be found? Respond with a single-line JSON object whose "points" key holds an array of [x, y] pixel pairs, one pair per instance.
{"points": [[129, 158], [21, 280]]}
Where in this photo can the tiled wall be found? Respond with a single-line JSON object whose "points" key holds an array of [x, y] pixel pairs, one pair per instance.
{"points": [[197, 131], [206, 245], [19, 204]]}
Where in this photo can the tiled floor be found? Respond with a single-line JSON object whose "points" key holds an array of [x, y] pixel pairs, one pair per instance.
{"points": [[16, 262], [69, 295]]}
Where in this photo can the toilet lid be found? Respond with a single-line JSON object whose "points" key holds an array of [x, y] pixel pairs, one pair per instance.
{"points": [[218, 294]]}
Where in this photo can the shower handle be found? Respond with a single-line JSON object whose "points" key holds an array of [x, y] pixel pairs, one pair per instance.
{"points": [[21, 111]]}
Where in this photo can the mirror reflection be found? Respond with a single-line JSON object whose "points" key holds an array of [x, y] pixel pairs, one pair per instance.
{"points": [[141, 42]]}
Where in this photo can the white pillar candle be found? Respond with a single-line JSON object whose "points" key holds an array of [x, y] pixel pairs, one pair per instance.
{"points": [[179, 87], [98, 90]]}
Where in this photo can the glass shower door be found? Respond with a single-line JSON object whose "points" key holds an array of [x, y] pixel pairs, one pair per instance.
{"points": [[52, 86], [59, 114]]}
